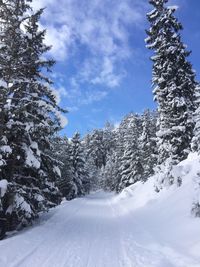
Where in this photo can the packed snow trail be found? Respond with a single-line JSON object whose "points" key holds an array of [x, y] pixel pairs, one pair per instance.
{"points": [[95, 231]]}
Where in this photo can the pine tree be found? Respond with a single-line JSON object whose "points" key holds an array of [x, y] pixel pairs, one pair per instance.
{"points": [[91, 168], [93, 173], [131, 169], [62, 152], [147, 143], [108, 139], [97, 148], [29, 115], [79, 171], [196, 148], [110, 173], [196, 139], [67, 153], [174, 82]]}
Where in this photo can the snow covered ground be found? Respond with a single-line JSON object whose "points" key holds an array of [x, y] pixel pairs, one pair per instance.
{"points": [[138, 228]]}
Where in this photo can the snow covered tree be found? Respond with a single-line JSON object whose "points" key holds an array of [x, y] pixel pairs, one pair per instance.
{"points": [[109, 139], [93, 173], [75, 179], [131, 169], [196, 148], [174, 82], [97, 148], [147, 143], [110, 173], [79, 171], [196, 139], [92, 170], [62, 152], [29, 115]]}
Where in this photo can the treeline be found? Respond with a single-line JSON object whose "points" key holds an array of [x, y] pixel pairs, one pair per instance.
{"points": [[109, 158]]}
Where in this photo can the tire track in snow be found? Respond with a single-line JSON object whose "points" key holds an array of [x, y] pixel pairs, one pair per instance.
{"points": [[40, 240], [91, 232], [60, 243], [104, 250], [124, 260], [78, 237]]}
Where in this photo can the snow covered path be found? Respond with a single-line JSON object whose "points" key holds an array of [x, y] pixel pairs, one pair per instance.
{"points": [[95, 231]]}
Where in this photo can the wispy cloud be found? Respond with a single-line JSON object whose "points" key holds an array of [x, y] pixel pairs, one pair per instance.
{"points": [[100, 27], [93, 96], [101, 71], [86, 98]]}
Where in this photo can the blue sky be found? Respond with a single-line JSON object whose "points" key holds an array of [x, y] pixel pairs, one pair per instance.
{"points": [[103, 69]]}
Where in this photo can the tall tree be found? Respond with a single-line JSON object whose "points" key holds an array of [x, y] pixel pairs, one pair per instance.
{"points": [[29, 115], [174, 82]]}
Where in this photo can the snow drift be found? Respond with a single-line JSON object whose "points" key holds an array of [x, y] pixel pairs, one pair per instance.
{"points": [[167, 216]]}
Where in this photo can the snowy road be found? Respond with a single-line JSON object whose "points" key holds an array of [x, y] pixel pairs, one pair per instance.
{"points": [[89, 232]]}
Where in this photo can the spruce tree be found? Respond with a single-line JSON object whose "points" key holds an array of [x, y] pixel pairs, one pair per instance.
{"points": [[196, 148], [62, 152], [97, 148], [147, 143], [90, 164], [79, 171], [29, 115], [111, 173], [196, 139], [174, 82], [108, 139], [131, 169]]}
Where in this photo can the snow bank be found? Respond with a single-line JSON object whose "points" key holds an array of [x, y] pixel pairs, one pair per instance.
{"points": [[141, 193], [167, 215]]}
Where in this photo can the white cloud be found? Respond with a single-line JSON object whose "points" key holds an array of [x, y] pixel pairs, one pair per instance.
{"points": [[107, 74], [87, 97], [93, 96], [72, 109], [58, 38], [77, 98], [100, 26]]}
